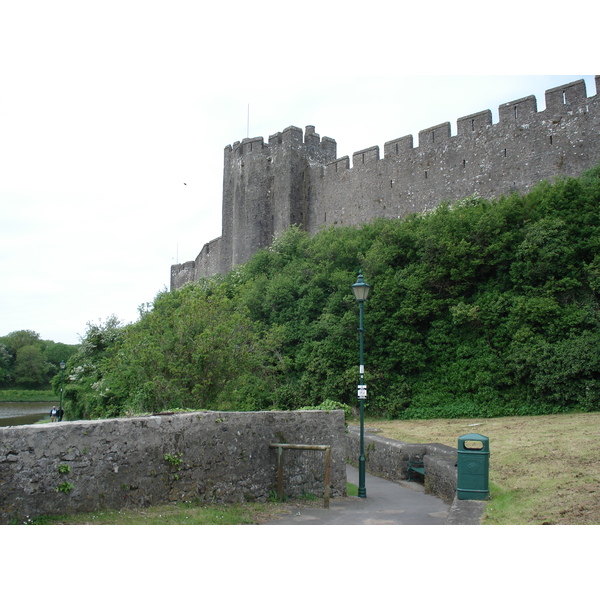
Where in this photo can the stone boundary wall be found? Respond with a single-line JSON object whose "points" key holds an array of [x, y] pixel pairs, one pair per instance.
{"points": [[389, 458], [218, 457]]}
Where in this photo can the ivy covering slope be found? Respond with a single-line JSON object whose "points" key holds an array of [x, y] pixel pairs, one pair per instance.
{"points": [[482, 308]]}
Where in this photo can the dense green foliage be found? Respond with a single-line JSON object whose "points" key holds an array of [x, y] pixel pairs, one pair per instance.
{"points": [[28, 362], [479, 309]]}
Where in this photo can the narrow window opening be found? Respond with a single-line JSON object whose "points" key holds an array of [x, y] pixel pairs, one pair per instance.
{"points": [[397, 149], [391, 183], [504, 152], [516, 111], [551, 140], [472, 124], [564, 97], [464, 163], [425, 174], [433, 136]]}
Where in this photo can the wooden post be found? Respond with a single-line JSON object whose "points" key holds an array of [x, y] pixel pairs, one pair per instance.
{"points": [[280, 473], [327, 477]]}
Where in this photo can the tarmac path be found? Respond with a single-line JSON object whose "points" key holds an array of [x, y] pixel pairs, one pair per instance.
{"points": [[387, 503]]}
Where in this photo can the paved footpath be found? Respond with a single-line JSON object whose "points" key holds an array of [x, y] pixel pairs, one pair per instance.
{"points": [[387, 503]]}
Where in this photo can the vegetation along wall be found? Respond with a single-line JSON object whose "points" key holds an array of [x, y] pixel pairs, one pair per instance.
{"points": [[65, 467], [297, 179]]}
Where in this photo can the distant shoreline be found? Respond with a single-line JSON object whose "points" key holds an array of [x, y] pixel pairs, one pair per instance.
{"points": [[28, 396]]}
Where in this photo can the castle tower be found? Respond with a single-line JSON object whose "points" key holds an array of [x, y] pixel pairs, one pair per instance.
{"points": [[246, 201], [265, 189]]}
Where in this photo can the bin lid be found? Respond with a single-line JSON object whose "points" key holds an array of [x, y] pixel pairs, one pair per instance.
{"points": [[474, 437]]}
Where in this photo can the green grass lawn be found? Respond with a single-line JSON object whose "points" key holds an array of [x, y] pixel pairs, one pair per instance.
{"points": [[183, 513], [172, 514], [27, 396], [543, 469]]}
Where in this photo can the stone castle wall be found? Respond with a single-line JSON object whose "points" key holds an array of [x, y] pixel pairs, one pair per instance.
{"points": [[80, 466], [297, 179]]}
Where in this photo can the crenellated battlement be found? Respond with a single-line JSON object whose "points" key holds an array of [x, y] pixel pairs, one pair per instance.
{"points": [[562, 100], [566, 97], [398, 147], [473, 124], [365, 157], [297, 178], [291, 138]]}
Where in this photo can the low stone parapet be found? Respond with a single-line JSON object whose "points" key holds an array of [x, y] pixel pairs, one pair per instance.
{"points": [[67, 467]]}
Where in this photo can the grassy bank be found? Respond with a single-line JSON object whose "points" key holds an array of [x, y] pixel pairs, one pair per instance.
{"points": [[543, 469], [173, 514], [27, 396], [181, 513]]}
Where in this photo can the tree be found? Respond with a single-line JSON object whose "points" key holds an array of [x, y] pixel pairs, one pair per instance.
{"points": [[195, 349], [23, 337], [84, 371], [5, 364], [31, 370]]}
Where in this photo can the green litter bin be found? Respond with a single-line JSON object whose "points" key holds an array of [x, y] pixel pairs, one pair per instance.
{"points": [[473, 481]]}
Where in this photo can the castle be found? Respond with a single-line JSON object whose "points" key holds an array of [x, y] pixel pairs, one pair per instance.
{"points": [[297, 179]]}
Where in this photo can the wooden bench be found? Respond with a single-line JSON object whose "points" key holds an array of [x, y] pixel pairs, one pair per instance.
{"points": [[415, 466]]}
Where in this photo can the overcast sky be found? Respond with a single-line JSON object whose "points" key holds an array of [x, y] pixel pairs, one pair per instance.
{"points": [[108, 108]]}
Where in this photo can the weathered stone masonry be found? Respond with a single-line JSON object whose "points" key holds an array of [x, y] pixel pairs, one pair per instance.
{"points": [[296, 179], [135, 462]]}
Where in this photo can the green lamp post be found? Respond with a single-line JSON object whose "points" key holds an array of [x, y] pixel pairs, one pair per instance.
{"points": [[360, 290], [62, 370]]}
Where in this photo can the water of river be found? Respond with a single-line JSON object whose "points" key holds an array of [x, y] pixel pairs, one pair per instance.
{"points": [[23, 413]]}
